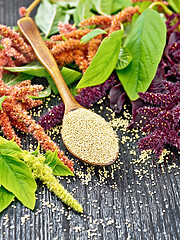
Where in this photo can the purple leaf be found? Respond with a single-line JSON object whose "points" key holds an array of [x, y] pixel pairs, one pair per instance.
{"points": [[117, 97]]}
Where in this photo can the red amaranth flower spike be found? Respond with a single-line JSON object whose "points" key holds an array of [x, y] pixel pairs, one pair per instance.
{"points": [[68, 45], [7, 128], [76, 34], [18, 42], [123, 16], [65, 27], [12, 52], [18, 125], [93, 47], [103, 21], [14, 113]]}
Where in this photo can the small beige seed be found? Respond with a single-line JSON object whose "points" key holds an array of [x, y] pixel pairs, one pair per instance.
{"points": [[89, 137]]}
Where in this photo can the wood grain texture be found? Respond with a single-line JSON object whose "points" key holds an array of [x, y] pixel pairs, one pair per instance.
{"points": [[124, 201]]}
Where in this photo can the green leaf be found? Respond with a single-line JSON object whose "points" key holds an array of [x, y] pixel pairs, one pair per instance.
{"points": [[175, 4], [17, 178], [6, 198], [10, 148], [52, 84], [70, 76], [92, 34], [73, 89], [103, 6], [61, 169], [3, 140], [12, 79], [1, 101], [146, 42], [110, 6], [35, 68], [56, 164], [51, 158], [48, 16], [144, 5], [83, 11], [124, 58], [103, 62], [36, 152], [43, 94], [117, 5]]}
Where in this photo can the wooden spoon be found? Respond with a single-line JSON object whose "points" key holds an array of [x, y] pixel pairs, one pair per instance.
{"points": [[29, 29]]}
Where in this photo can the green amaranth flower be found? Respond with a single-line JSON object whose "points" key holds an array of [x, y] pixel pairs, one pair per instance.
{"points": [[45, 173]]}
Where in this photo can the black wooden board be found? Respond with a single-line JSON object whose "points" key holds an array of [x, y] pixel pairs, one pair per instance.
{"points": [[128, 200]]}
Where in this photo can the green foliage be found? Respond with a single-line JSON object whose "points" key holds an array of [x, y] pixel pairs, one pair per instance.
{"points": [[144, 5], [117, 5], [103, 6], [35, 68], [83, 11], [6, 198], [110, 6], [146, 42], [92, 34], [70, 76], [50, 14], [12, 79], [36, 152], [103, 62], [10, 147], [124, 58], [175, 4], [56, 164], [51, 158], [17, 178], [73, 89], [61, 169]]}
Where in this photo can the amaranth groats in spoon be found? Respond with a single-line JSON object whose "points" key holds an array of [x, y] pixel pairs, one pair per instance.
{"points": [[85, 134]]}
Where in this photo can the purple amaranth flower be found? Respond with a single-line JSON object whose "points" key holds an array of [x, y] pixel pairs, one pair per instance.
{"points": [[163, 126], [86, 98], [53, 117], [118, 97]]}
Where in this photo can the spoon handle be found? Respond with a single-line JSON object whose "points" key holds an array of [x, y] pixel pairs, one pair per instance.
{"points": [[29, 29]]}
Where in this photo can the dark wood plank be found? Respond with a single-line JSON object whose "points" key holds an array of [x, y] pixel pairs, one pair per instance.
{"points": [[127, 200]]}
